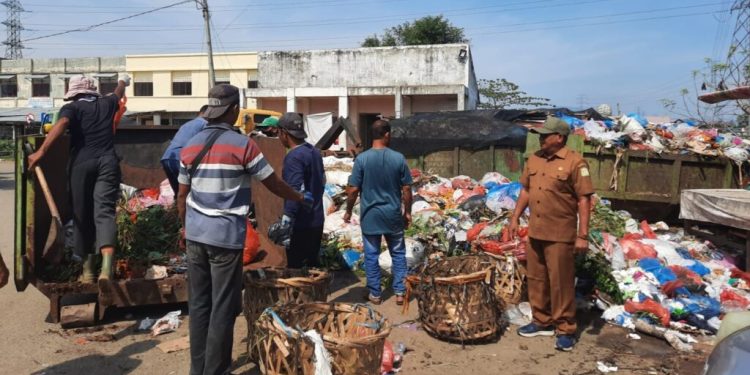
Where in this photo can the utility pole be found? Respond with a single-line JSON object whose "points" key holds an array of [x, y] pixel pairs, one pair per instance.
{"points": [[207, 19], [13, 29]]}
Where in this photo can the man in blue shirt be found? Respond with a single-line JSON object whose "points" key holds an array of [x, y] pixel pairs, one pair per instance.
{"points": [[303, 171], [170, 161], [383, 179]]}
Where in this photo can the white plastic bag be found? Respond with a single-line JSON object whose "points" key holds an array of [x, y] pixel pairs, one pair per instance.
{"points": [[168, 323], [322, 357], [414, 256]]}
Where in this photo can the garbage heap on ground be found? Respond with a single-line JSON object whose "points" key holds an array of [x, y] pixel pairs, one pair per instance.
{"points": [[148, 234], [645, 277], [633, 132]]}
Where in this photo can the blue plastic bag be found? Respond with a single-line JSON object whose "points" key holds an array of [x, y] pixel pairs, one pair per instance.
{"points": [[512, 190], [699, 268], [574, 122], [351, 258], [705, 306], [638, 118], [653, 266]]}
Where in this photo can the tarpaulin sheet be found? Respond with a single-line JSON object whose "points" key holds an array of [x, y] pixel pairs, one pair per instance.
{"points": [[425, 133], [316, 126], [729, 207]]}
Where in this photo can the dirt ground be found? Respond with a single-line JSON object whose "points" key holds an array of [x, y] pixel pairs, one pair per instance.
{"points": [[28, 345]]}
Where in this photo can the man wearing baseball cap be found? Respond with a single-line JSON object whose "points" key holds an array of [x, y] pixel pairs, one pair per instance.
{"points": [[303, 171], [214, 196], [557, 189], [269, 127]]}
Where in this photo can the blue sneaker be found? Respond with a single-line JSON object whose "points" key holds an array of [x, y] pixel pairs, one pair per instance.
{"points": [[533, 330], [565, 342]]}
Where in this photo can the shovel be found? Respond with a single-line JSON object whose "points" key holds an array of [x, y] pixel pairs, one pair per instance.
{"points": [[56, 237]]}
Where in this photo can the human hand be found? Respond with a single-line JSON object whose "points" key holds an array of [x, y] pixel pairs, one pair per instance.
{"points": [[407, 220], [125, 77], [34, 159], [182, 242], [581, 246], [513, 229], [348, 217]]}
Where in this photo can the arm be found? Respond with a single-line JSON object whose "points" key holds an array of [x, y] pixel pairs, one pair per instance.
{"points": [[584, 213], [182, 194], [352, 192], [521, 205], [275, 185], [57, 131], [407, 198], [121, 85], [294, 175]]}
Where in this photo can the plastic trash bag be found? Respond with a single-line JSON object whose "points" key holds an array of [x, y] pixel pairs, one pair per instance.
{"points": [[649, 306], [168, 323], [322, 357], [642, 121], [699, 305], [653, 266], [635, 249], [738, 155], [503, 197], [414, 256], [492, 179]]}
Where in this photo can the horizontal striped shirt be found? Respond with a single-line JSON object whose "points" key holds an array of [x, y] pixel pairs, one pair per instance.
{"points": [[220, 194]]}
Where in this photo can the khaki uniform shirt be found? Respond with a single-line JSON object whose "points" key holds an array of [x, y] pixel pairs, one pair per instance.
{"points": [[554, 185]]}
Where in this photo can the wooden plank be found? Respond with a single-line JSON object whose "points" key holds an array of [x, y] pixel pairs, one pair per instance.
{"points": [[269, 207]]}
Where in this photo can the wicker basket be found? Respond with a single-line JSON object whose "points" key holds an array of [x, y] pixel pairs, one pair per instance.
{"points": [[269, 286], [353, 335], [455, 298], [510, 279]]}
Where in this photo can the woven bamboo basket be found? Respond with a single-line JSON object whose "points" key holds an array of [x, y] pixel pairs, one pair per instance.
{"points": [[353, 335], [455, 298], [270, 286], [510, 279]]}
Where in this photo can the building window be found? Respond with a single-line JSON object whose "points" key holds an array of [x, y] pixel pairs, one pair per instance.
{"points": [[143, 84], [40, 86], [222, 78], [107, 83], [182, 83], [8, 86], [252, 84], [143, 89]]}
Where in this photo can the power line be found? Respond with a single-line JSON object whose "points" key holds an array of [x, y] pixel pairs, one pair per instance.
{"points": [[91, 27], [13, 29]]}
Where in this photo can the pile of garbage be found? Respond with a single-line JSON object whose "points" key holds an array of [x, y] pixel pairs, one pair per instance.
{"points": [[633, 132], [148, 233], [647, 277], [449, 216]]}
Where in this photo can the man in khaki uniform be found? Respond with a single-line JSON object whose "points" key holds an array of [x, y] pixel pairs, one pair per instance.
{"points": [[557, 188]]}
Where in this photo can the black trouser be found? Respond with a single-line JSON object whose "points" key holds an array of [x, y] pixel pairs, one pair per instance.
{"points": [[172, 170], [304, 248], [94, 186], [215, 287]]}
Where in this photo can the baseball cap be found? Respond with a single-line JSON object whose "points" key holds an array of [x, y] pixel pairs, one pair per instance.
{"points": [[269, 122], [220, 98], [552, 125], [293, 124]]}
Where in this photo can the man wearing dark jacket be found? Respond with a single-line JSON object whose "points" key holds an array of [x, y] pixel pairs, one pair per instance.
{"points": [[303, 171]]}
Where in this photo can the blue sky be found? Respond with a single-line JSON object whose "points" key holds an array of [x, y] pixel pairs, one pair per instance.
{"points": [[632, 52]]}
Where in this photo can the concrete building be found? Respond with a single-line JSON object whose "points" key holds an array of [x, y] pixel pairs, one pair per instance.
{"points": [[169, 89], [40, 84], [363, 83]]}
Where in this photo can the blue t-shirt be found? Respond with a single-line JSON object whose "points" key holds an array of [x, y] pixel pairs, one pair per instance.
{"points": [[303, 167], [187, 130], [380, 174]]}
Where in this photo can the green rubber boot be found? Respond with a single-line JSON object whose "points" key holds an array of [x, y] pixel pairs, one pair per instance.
{"points": [[87, 276], [106, 273]]}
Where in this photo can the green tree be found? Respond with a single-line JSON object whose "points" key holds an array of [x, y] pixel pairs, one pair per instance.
{"points": [[426, 30], [501, 94]]}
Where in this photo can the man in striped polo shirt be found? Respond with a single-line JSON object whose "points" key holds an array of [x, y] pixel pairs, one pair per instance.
{"points": [[213, 202]]}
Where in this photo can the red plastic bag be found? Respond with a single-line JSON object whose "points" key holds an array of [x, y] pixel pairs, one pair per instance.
{"points": [[461, 183], [636, 250], [386, 365], [686, 275], [649, 306], [670, 287], [733, 300], [252, 244], [647, 232], [473, 233], [632, 236], [518, 249]]}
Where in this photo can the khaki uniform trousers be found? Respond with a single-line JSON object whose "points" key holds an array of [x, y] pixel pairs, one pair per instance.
{"points": [[551, 284]]}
